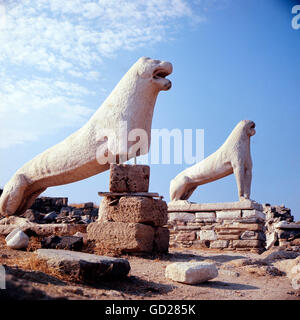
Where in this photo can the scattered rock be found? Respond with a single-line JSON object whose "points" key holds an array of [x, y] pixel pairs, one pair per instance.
{"points": [[81, 235], [65, 242], [50, 217], [263, 270], [191, 272], [278, 254], [33, 216], [84, 266], [17, 239]]}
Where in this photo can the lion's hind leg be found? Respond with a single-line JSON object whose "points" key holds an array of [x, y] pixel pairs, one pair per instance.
{"points": [[12, 195]]}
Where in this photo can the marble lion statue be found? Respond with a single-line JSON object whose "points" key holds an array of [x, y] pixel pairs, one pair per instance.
{"points": [[232, 157], [132, 102]]}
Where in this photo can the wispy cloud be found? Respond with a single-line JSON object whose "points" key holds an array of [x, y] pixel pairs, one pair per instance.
{"points": [[61, 40]]}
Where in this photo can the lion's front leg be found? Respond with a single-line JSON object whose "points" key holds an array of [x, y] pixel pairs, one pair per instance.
{"points": [[247, 183], [239, 173]]}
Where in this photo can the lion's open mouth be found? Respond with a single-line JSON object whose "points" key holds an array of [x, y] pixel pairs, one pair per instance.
{"points": [[160, 74]]}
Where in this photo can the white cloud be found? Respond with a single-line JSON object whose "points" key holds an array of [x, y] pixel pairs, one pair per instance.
{"points": [[31, 109], [56, 41]]}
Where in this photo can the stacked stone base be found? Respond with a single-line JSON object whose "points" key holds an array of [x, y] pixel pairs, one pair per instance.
{"points": [[208, 226], [130, 224]]}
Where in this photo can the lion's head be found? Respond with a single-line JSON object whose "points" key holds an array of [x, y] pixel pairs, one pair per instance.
{"points": [[156, 71], [249, 127]]}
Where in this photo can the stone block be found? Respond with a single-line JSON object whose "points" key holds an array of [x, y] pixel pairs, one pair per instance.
{"points": [[207, 235], [134, 209], [129, 178], [252, 235], [186, 236], [181, 216], [161, 240], [201, 244], [191, 272], [84, 266], [205, 215], [229, 215], [228, 237], [253, 214], [219, 244], [247, 244], [120, 236]]}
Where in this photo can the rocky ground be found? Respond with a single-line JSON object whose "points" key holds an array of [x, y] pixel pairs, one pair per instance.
{"points": [[242, 276]]}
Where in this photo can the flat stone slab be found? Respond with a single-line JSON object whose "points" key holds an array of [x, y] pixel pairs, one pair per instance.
{"points": [[191, 272], [85, 266], [7, 225], [183, 205], [287, 225]]}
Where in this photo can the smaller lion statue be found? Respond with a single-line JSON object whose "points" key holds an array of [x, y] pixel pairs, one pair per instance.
{"points": [[232, 157]]}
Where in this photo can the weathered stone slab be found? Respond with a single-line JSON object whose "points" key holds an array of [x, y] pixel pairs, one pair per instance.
{"points": [[85, 266], [219, 244], [186, 206], [207, 235], [240, 226], [129, 178], [134, 209], [205, 215], [181, 216], [191, 272], [247, 244], [7, 225], [229, 215], [253, 214], [125, 237], [287, 225], [228, 237]]}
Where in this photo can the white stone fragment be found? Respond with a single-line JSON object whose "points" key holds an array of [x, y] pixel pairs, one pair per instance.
{"points": [[191, 272], [17, 239], [207, 235], [229, 215], [253, 214]]}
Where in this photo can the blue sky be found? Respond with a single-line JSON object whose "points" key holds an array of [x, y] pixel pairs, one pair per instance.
{"points": [[232, 60]]}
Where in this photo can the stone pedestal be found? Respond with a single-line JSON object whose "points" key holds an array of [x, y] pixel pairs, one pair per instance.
{"points": [[226, 226], [130, 224]]}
